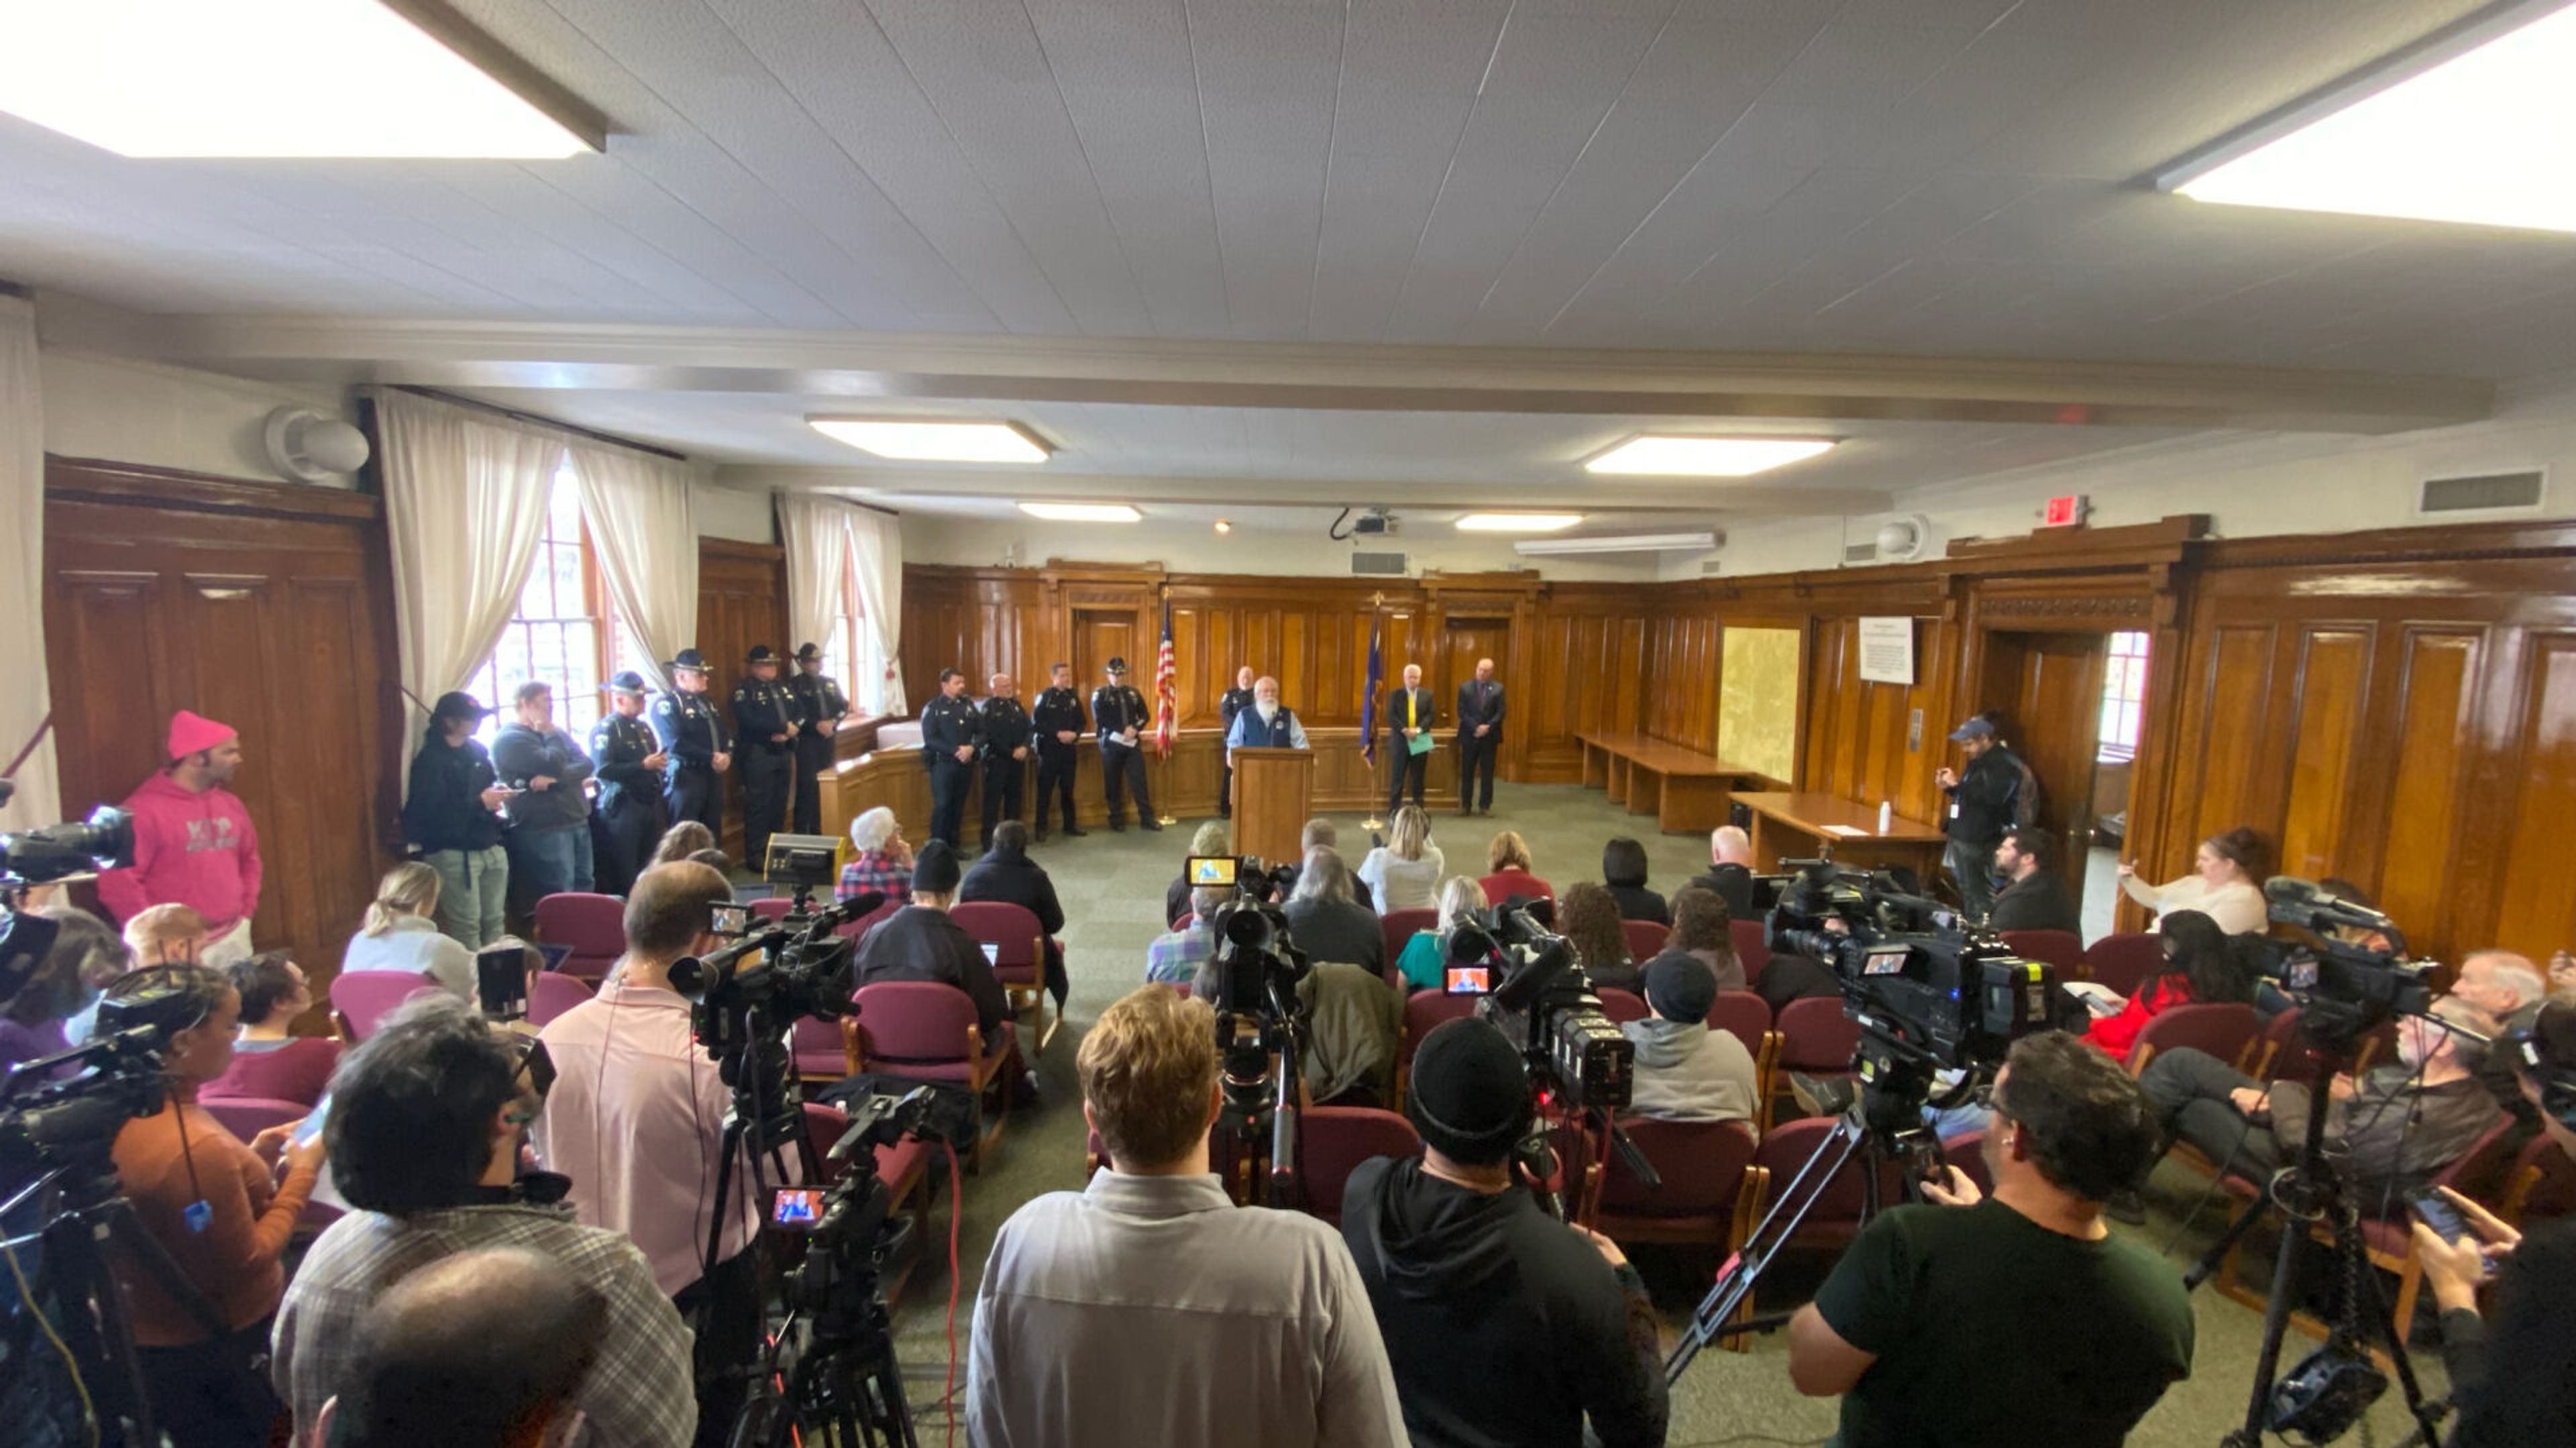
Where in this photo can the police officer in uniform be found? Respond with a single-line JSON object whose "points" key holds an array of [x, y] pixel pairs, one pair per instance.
{"points": [[1236, 700], [692, 737], [820, 708], [629, 818], [1006, 754], [764, 726], [1119, 719], [1059, 724], [950, 730]]}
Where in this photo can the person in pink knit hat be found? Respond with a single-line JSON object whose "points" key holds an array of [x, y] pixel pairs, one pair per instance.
{"points": [[194, 844]]}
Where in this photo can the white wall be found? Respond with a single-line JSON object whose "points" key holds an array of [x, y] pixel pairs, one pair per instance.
{"points": [[735, 513], [171, 417], [1198, 548]]}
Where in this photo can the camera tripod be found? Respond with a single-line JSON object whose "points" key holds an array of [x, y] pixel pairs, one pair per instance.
{"points": [[2330, 1391], [1883, 1127]]}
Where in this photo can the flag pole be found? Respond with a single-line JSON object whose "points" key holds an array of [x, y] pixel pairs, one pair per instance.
{"points": [[1167, 710], [1369, 681]]}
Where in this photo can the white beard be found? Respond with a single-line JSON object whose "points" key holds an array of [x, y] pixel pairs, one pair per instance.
{"points": [[1268, 709]]}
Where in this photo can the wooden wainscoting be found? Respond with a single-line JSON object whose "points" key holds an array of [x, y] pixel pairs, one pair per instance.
{"points": [[742, 600]]}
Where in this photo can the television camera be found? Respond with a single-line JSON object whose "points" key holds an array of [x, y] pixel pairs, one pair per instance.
{"points": [[104, 841], [1261, 1023]]}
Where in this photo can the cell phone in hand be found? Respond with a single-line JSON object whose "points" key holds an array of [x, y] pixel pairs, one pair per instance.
{"points": [[2446, 1219], [311, 1126]]}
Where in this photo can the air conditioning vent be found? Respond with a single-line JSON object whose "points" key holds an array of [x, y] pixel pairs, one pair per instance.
{"points": [[1709, 568], [1861, 552], [1378, 565], [2484, 493]]}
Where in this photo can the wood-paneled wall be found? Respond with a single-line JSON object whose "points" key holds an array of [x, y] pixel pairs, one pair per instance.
{"points": [[742, 601]]}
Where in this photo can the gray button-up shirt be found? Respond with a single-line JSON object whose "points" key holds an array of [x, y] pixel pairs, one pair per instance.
{"points": [[1151, 1310]]}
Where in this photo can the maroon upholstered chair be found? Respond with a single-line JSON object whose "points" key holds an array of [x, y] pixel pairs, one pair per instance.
{"points": [[1746, 937], [2541, 1186], [360, 998], [593, 925], [822, 1049], [2227, 1030], [1816, 1039], [1622, 1006], [1398, 927], [1707, 1197], [552, 993], [1645, 939], [1019, 953], [248, 1116], [1334, 1140], [1835, 1218], [1423, 1010], [774, 908], [2124, 962], [2063, 949], [921, 1030], [1747, 1017], [858, 929]]}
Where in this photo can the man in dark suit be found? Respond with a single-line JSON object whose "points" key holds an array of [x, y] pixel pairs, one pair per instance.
{"points": [[1409, 713], [1480, 737], [1236, 700], [2034, 897]]}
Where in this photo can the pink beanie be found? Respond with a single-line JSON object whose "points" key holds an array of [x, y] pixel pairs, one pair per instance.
{"points": [[192, 732]]}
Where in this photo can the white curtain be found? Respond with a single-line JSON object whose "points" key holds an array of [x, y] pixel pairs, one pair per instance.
{"points": [[816, 534], [24, 695], [876, 558], [643, 517], [465, 503]]}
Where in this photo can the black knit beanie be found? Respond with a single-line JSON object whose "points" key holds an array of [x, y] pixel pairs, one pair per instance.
{"points": [[935, 868], [1469, 1095]]}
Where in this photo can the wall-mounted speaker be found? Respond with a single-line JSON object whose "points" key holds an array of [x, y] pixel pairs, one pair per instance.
{"points": [[306, 446]]}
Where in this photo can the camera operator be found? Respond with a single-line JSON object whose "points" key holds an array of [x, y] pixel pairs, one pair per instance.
{"points": [[426, 1117], [1149, 1309], [636, 1119], [1504, 1325], [2515, 1383], [2014, 1319], [484, 1349], [218, 1209]]}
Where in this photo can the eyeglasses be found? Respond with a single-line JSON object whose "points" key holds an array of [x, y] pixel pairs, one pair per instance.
{"points": [[529, 1056]]}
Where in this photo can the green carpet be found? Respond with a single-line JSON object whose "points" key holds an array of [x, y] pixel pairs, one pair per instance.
{"points": [[1112, 889]]}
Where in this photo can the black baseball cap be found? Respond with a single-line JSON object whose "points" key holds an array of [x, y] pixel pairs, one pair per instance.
{"points": [[457, 704]]}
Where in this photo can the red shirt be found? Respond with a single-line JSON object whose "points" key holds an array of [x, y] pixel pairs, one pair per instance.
{"points": [[294, 1070], [1504, 884], [2116, 1034]]}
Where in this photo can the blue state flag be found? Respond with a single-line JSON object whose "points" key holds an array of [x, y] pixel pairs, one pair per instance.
{"points": [[1368, 693]]}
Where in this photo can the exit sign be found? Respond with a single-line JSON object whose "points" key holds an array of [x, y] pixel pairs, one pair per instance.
{"points": [[2065, 512]]}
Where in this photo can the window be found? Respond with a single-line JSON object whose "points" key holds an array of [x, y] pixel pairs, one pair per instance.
{"points": [[558, 630], [2124, 696], [850, 654]]}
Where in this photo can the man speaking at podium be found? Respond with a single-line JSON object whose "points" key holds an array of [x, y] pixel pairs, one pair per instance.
{"points": [[1266, 725]]}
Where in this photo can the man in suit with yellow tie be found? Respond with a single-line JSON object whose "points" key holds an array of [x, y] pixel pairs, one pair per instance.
{"points": [[1409, 715]]}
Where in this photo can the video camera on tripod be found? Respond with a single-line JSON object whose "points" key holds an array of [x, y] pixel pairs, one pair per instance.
{"points": [[104, 841], [1534, 990], [1261, 1020], [2352, 975]]}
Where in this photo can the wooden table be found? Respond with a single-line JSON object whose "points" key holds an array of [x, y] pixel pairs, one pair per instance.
{"points": [[1799, 825], [1683, 789]]}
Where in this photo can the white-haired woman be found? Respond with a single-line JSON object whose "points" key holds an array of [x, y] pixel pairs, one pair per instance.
{"points": [[884, 861]]}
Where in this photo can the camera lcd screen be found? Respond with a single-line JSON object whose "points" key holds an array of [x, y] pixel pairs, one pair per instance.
{"points": [[1469, 980], [1889, 961], [729, 920], [501, 981], [796, 1209], [1211, 870]]}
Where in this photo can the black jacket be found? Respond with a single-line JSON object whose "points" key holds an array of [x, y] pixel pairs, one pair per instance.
{"points": [[2041, 902], [1013, 880], [1733, 884], [1988, 792], [1786, 978], [1426, 712], [1636, 902], [1503, 1326], [620, 746], [920, 943], [445, 809], [1331, 930], [520, 754], [2515, 1380], [1480, 704]]}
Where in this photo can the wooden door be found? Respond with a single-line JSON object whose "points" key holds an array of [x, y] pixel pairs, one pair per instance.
{"points": [[264, 606], [1100, 635], [742, 601], [1463, 642], [2050, 686]]}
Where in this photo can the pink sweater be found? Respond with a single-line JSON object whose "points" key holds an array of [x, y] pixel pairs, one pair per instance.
{"points": [[190, 848]]}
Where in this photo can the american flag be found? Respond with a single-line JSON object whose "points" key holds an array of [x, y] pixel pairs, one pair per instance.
{"points": [[1167, 696]]}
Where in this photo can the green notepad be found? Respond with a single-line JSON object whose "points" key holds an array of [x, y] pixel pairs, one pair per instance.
{"points": [[1419, 743]]}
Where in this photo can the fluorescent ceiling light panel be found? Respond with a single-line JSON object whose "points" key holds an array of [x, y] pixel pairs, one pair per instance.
{"points": [[1617, 543], [1082, 512], [1705, 457], [1517, 522], [272, 78], [921, 440], [2486, 137]]}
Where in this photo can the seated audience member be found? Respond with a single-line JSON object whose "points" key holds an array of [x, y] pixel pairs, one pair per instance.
{"points": [[84, 959], [1405, 872], [1354, 1025], [1174, 957], [1507, 859], [2225, 884], [401, 933], [1320, 831], [716, 860], [2508, 987], [1687, 1071], [2511, 1380], [1215, 837], [2202, 967], [2394, 1129], [157, 935], [1730, 870], [221, 1211], [1005, 875], [1424, 960], [1503, 1324], [1148, 1308], [1704, 931], [636, 1118], [269, 1059], [426, 1119], [920, 942], [1785, 978], [484, 1349], [2032, 896], [1589, 920], [1623, 870], [688, 837], [1327, 921], [884, 862], [2050, 1329]]}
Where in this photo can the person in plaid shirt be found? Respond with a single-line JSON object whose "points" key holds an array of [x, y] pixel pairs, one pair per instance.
{"points": [[1174, 957], [423, 1139], [884, 861]]}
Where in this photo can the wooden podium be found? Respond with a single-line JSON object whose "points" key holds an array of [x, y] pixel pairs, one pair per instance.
{"points": [[1273, 791]]}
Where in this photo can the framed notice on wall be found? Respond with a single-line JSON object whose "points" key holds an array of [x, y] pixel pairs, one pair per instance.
{"points": [[1887, 651]]}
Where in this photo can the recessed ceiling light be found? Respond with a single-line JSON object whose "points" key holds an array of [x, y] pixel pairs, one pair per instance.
{"points": [[2480, 128], [1223, 526], [1517, 522], [1705, 457], [278, 78], [1082, 512], [1618, 543], [919, 440]]}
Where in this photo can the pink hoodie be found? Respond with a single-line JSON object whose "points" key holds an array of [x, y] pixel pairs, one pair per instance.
{"points": [[191, 849]]}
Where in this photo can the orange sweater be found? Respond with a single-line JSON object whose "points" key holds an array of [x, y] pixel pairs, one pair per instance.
{"points": [[234, 1261]]}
